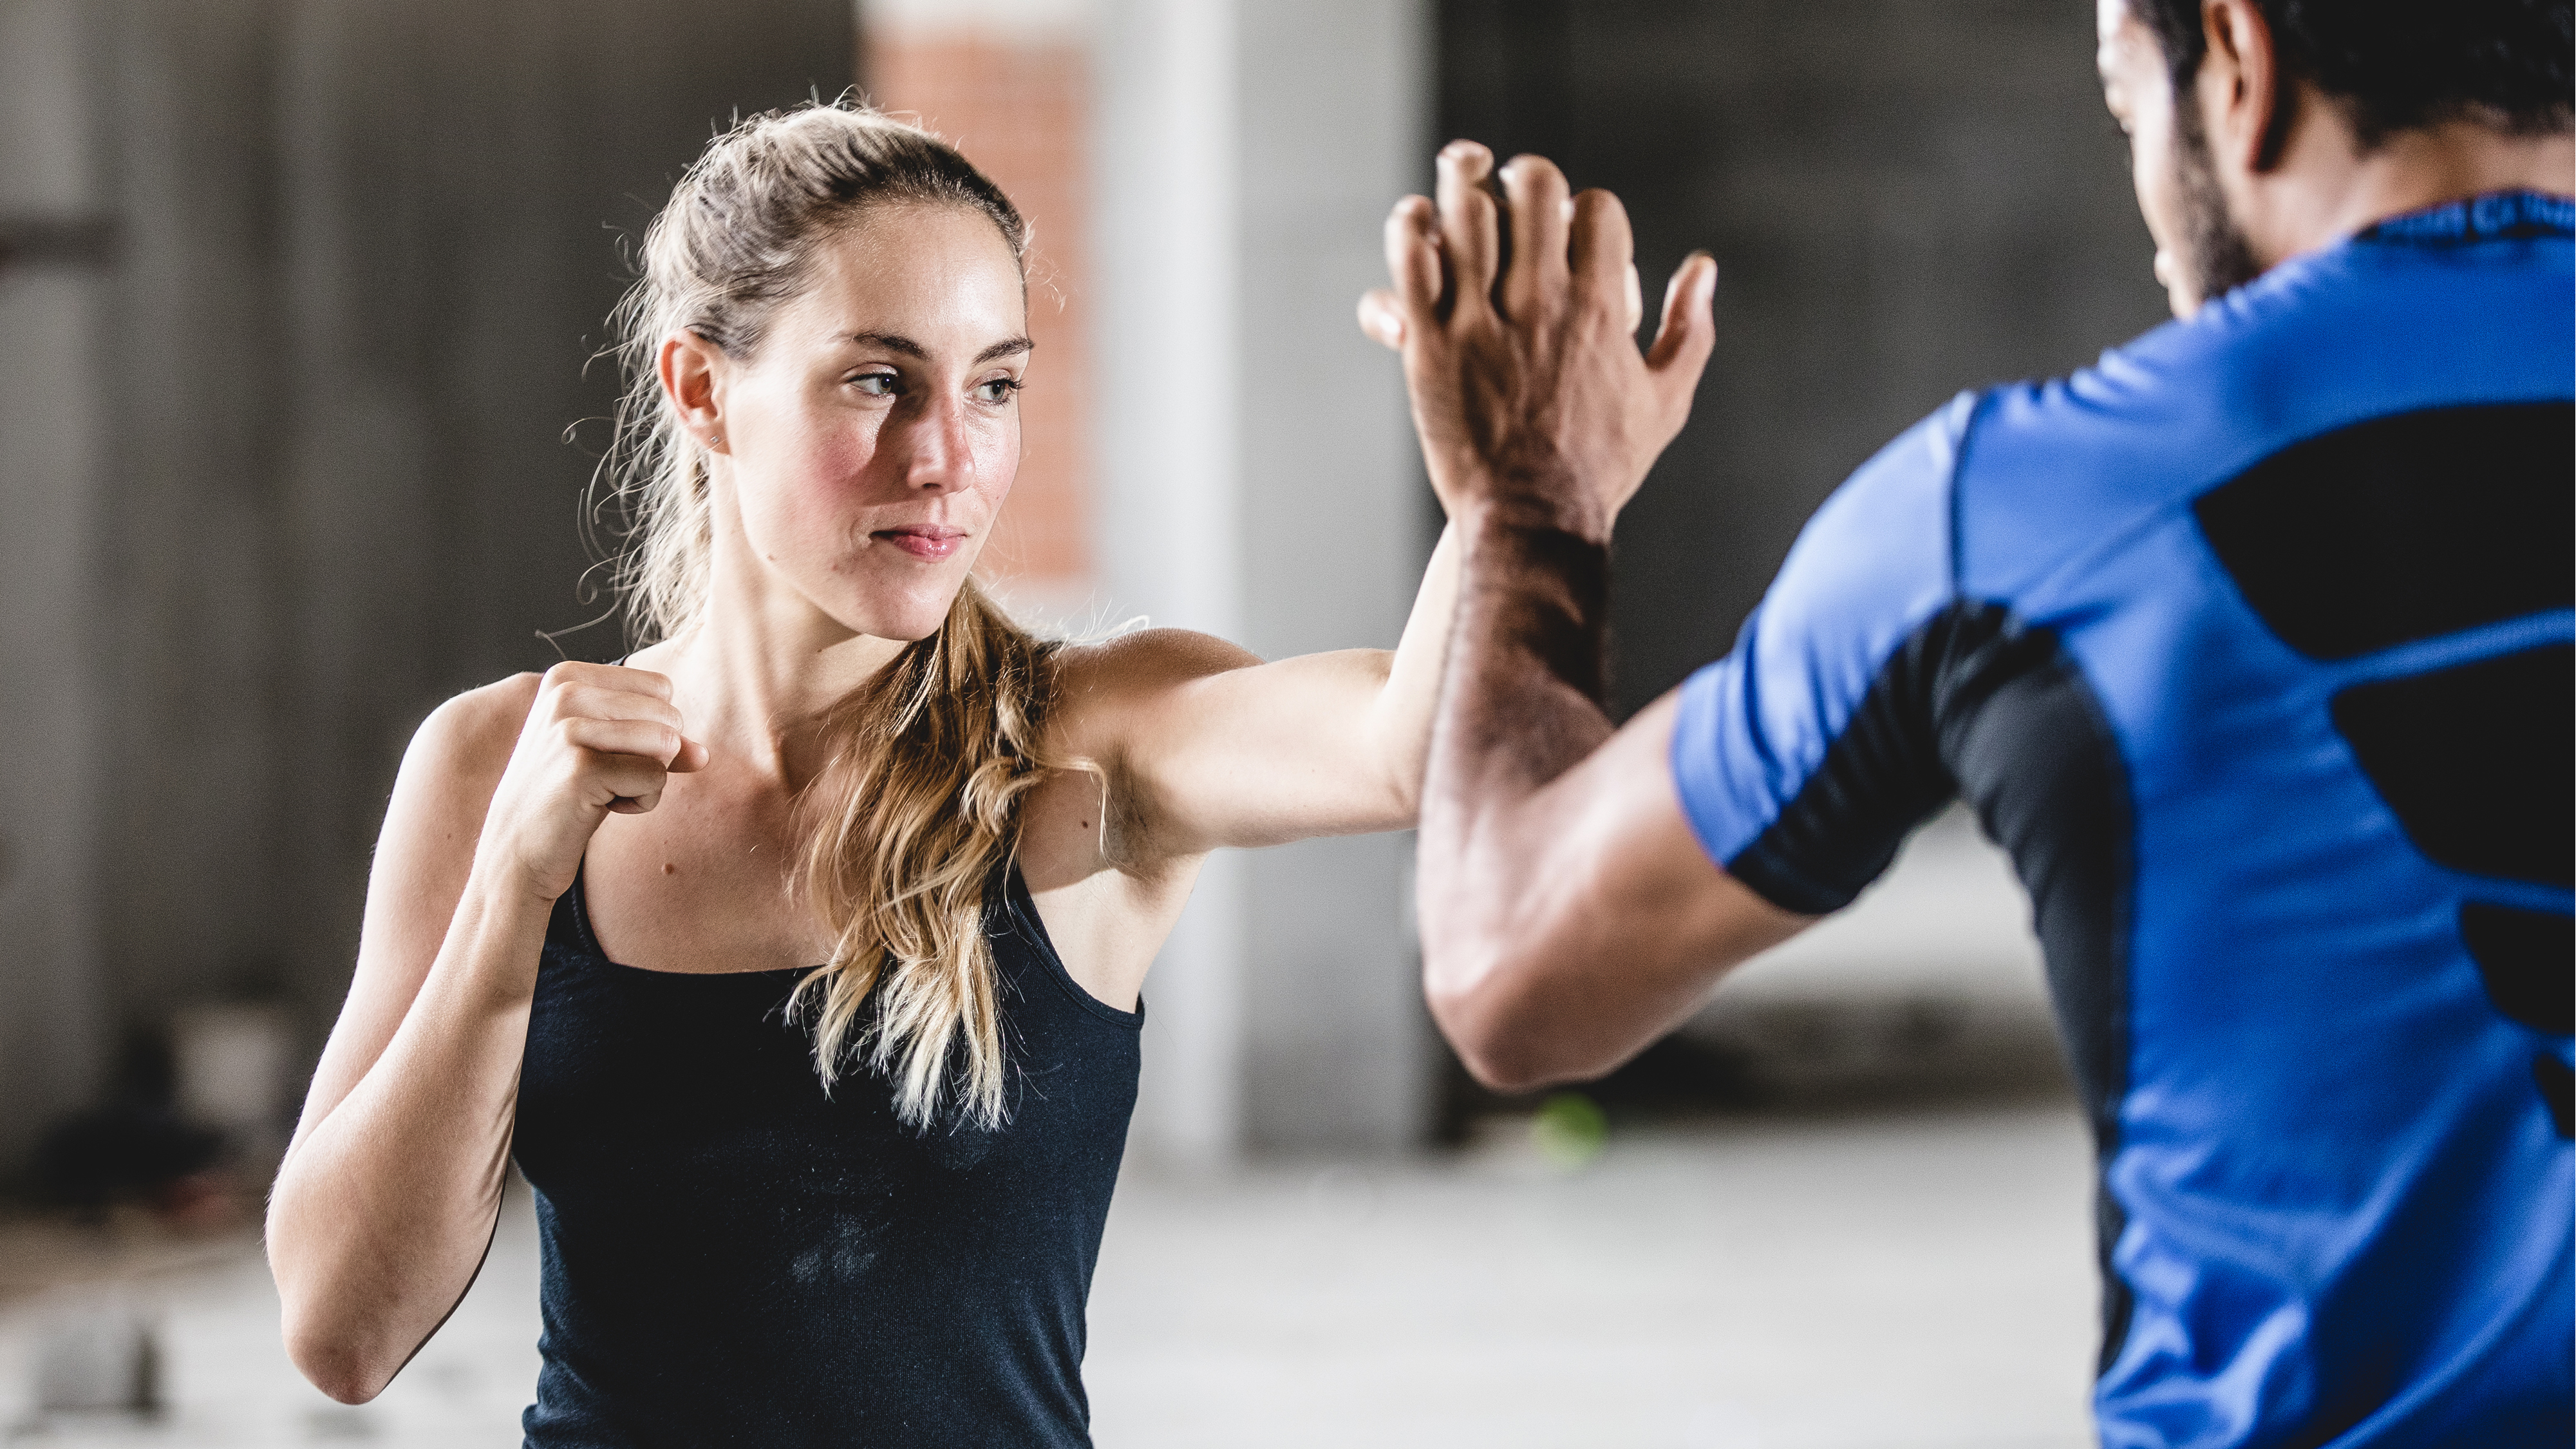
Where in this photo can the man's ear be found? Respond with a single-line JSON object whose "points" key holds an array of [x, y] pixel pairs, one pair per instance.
{"points": [[691, 370], [2246, 103]]}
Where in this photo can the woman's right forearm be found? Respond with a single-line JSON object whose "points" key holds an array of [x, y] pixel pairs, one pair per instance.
{"points": [[383, 1209]]}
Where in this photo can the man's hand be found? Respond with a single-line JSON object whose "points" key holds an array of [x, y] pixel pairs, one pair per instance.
{"points": [[1528, 389], [1569, 915]]}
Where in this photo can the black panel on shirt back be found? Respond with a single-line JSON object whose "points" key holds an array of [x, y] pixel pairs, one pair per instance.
{"points": [[2528, 959], [2476, 760], [2557, 1088], [2404, 527], [1976, 706]]}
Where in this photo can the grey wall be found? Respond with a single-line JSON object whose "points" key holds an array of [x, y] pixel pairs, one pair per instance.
{"points": [[302, 471], [51, 1044], [1905, 199]]}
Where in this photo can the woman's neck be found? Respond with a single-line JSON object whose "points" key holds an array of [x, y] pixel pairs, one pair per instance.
{"points": [[760, 667]]}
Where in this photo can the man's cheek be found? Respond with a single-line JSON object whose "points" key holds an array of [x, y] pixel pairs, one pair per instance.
{"points": [[2151, 174]]}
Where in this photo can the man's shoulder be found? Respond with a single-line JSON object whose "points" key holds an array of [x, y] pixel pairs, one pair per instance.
{"points": [[1888, 527], [2333, 340]]}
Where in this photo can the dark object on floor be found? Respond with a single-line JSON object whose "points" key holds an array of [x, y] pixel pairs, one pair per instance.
{"points": [[1677, 1076], [127, 1151]]}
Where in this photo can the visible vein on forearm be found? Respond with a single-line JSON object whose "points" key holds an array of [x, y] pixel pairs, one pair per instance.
{"points": [[1527, 674]]}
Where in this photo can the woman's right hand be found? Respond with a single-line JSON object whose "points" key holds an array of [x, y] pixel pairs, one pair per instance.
{"points": [[599, 738]]}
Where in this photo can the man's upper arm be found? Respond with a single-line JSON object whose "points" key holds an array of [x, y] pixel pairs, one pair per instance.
{"points": [[1803, 758], [1614, 927]]}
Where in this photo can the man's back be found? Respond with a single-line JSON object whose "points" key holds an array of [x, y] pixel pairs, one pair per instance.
{"points": [[2252, 644]]}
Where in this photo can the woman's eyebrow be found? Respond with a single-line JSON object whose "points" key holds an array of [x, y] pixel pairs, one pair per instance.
{"points": [[892, 343]]}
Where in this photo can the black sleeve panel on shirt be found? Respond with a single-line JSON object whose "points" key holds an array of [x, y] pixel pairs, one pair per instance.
{"points": [[2404, 527], [1973, 704], [2033, 751], [1880, 778]]}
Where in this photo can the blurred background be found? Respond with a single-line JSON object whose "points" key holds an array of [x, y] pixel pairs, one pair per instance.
{"points": [[300, 302]]}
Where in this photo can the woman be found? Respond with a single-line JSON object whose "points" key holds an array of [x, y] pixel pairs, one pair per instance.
{"points": [[781, 1203]]}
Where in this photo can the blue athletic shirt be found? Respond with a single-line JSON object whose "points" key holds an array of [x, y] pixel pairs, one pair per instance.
{"points": [[2251, 644]]}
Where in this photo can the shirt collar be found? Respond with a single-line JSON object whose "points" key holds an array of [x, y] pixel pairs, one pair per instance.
{"points": [[2495, 216]]}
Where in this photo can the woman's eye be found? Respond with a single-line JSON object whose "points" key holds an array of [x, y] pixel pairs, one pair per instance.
{"points": [[998, 390], [876, 384]]}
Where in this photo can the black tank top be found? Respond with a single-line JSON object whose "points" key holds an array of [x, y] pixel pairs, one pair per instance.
{"points": [[730, 1257]]}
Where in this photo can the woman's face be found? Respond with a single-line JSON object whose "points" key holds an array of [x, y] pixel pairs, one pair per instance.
{"points": [[875, 432]]}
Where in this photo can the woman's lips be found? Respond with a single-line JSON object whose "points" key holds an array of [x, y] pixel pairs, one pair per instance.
{"points": [[924, 541]]}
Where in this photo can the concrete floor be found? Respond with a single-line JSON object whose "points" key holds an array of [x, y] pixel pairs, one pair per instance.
{"points": [[1858, 1282]]}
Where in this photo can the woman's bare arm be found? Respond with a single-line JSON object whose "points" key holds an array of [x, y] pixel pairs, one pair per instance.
{"points": [[383, 1211], [386, 1201], [1207, 746]]}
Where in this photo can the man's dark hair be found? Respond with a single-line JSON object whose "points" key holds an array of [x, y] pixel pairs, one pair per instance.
{"points": [[2396, 65]]}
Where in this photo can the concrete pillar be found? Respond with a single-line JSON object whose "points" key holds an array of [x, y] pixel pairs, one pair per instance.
{"points": [[1259, 480], [189, 650]]}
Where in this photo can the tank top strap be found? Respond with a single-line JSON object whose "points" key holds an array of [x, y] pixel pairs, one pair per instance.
{"points": [[568, 930]]}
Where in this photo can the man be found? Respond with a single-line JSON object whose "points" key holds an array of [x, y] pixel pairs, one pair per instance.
{"points": [[2250, 644]]}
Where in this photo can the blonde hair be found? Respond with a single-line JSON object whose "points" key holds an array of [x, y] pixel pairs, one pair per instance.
{"points": [[914, 815]]}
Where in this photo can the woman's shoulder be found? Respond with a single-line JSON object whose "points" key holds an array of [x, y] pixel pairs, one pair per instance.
{"points": [[471, 735], [441, 794], [1099, 680], [1145, 659], [1108, 690]]}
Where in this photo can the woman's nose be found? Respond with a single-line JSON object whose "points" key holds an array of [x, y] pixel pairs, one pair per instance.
{"points": [[938, 457]]}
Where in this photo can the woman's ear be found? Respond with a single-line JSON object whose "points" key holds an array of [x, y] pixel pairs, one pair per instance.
{"points": [[692, 372]]}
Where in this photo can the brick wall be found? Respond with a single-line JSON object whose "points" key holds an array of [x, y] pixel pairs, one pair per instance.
{"points": [[1018, 106]]}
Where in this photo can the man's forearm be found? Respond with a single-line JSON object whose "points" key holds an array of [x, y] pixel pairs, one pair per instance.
{"points": [[1523, 701], [1526, 682], [1522, 705]]}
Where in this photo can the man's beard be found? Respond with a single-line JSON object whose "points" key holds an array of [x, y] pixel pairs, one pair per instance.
{"points": [[2215, 255]]}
